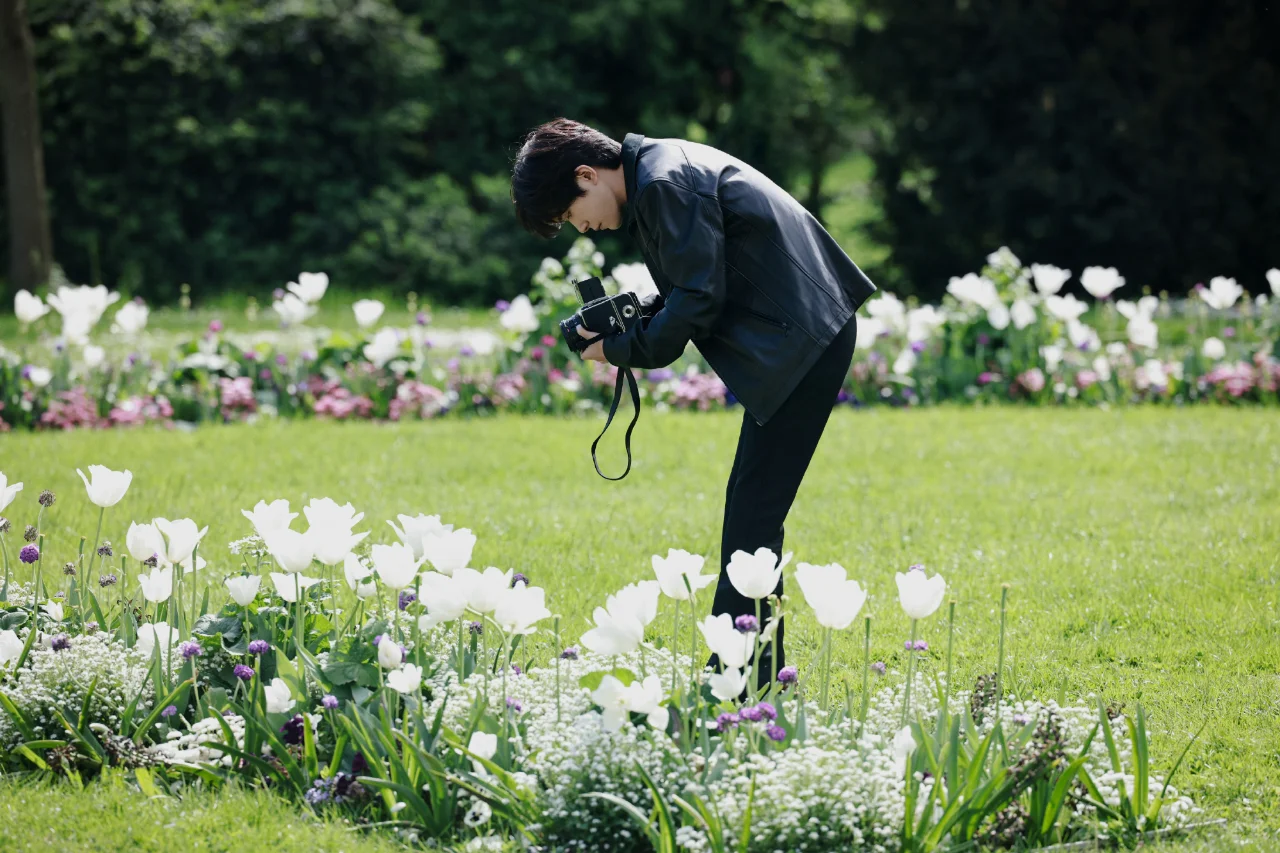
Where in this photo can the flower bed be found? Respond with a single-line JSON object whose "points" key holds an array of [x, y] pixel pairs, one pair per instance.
{"points": [[444, 705]]}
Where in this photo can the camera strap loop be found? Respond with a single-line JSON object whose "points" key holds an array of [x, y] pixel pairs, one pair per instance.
{"points": [[624, 373]]}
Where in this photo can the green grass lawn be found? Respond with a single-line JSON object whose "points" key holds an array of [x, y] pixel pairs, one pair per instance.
{"points": [[1142, 547]]}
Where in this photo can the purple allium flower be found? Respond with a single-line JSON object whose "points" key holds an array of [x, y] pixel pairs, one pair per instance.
{"points": [[922, 646], [259, 647], [1229, 332], [466, 351], [61, 643], [776, 733], [307, 355], [906, 644], [4, 524], [329, 701], [190, 649], [475, 627], [746, 624], [104, 550], [169, 711], [26, 371], [215, 326], [502, 305], [788, 675], [291, 731], [282, 359], [359, 764], [91, 627], [406, 598], [917, 347], [878, 667], [726, 721], [752, 714], [29, 554], [514, 704], [264, 374], [242, 672], [917, 567], [107, 580], [570, 653], [519, 577], [767, 709], [421, 318], [452, 364], [983, 339], [278, 293], [516, 670]]}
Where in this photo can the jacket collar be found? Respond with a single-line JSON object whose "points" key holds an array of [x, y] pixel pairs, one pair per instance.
{"points": [[630, 152]]}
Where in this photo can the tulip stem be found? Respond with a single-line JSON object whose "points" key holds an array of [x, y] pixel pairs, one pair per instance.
{"points": [[675, 639], [758, 646], [556, 652], [195, 555], [951, 630], [506, 708], [40, 565], [826, 667], [866, 670], [4, 549], [911, 667], [97, 538], [461, 656], [773, 646]]}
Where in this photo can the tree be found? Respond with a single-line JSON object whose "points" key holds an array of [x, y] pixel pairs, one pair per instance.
{"points": [[30, 239]]}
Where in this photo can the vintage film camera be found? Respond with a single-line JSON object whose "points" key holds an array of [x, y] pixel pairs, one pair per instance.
{"points": [[602, 314]]}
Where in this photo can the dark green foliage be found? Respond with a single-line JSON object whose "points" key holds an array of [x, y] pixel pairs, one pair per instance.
{"points": [[1139, 135]]}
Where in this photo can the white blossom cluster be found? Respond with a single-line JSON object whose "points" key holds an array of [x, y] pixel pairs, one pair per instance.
{"points": [[61, 679], [189, 747]]}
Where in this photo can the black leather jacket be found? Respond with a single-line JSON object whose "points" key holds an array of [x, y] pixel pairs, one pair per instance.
{"points": [[744, 271]]}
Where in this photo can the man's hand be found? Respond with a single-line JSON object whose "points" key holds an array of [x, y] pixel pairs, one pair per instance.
{"points": [[595, 352]]}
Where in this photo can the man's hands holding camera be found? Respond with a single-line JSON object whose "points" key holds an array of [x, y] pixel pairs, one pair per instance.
{"points": [[594, 352]]}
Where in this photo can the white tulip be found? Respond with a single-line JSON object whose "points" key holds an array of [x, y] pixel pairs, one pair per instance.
{"points": [[448, 550], [1082, 336], [756, 575], [155, 634], [366, 590], [7, 492], [1155, 374], [634, 278], [291, 310], [183, 536], [292, 551], [1143, 332], [675, 568], [270, 517], [53, 610], [188, 568], [28, 307], [39, 376], [1273, 279], [243, 588], [646, 697], [869, 330], [1065, 308], [1022, 314], [1144, 307], [390, 655], [1101, 282], [1102, 367], [889, 310], [998, 316], [395, 565], [835, 599], [519, 316], [10, 647], [309, 287], [1221, 293], [484, 590], [923, 322], [332, 545], [131, 319], [484, 745], [93, 356], [640, 598], [618, 629], [144, 541], [974, 290], [444, 597], [158, 585], [905, 362], [1048, 278], [279, 696], [384, 347], [289, 585], [414, 528], [903, 745], [728, 685], [519, 608], [355, 571], [405, 680], [367, 312], [107, 486], [326, 512], [919, 594], [1213, 349], [612, 698], [732, 647]]}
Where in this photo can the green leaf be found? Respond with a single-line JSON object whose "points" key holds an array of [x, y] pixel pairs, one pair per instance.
{"points": [[592, 680], [10, 621]]}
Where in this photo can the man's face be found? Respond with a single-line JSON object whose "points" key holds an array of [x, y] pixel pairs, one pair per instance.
{"points": [[598, 210]]}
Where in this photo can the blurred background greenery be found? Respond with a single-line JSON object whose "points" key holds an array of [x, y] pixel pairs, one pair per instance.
{"points": [[230, 144]]}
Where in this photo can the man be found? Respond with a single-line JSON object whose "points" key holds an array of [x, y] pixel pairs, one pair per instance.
{"points": [[744, 272]]}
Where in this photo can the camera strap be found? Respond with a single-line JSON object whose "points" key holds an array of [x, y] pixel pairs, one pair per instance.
{"points": [[624, 373]]}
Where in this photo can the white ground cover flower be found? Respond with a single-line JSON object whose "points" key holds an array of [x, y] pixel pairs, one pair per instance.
{"points": [[61, 679], [189, 747]]}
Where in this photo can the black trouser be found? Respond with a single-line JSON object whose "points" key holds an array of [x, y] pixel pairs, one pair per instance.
{"points": [[770, 463]]}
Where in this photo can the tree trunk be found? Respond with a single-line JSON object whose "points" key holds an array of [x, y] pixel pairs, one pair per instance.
{"points": [[30, 240]]}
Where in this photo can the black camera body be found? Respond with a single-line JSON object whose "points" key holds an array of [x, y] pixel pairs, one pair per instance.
{"points": [[601, 314]]}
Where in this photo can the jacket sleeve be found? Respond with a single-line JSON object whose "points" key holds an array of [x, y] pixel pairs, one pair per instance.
{"points": [[687, 234]]}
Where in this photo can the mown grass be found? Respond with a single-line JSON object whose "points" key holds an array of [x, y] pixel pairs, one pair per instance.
{"points": [[1141, 546]]}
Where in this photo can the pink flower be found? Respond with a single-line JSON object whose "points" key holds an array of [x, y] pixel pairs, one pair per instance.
{"points": [[1033, 380]]}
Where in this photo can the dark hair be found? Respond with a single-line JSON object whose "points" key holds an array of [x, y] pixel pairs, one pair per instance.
{"points": [[543, 183]]}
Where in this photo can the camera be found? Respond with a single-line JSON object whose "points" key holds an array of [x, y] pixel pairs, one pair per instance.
{"points": [[602, 314]]}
